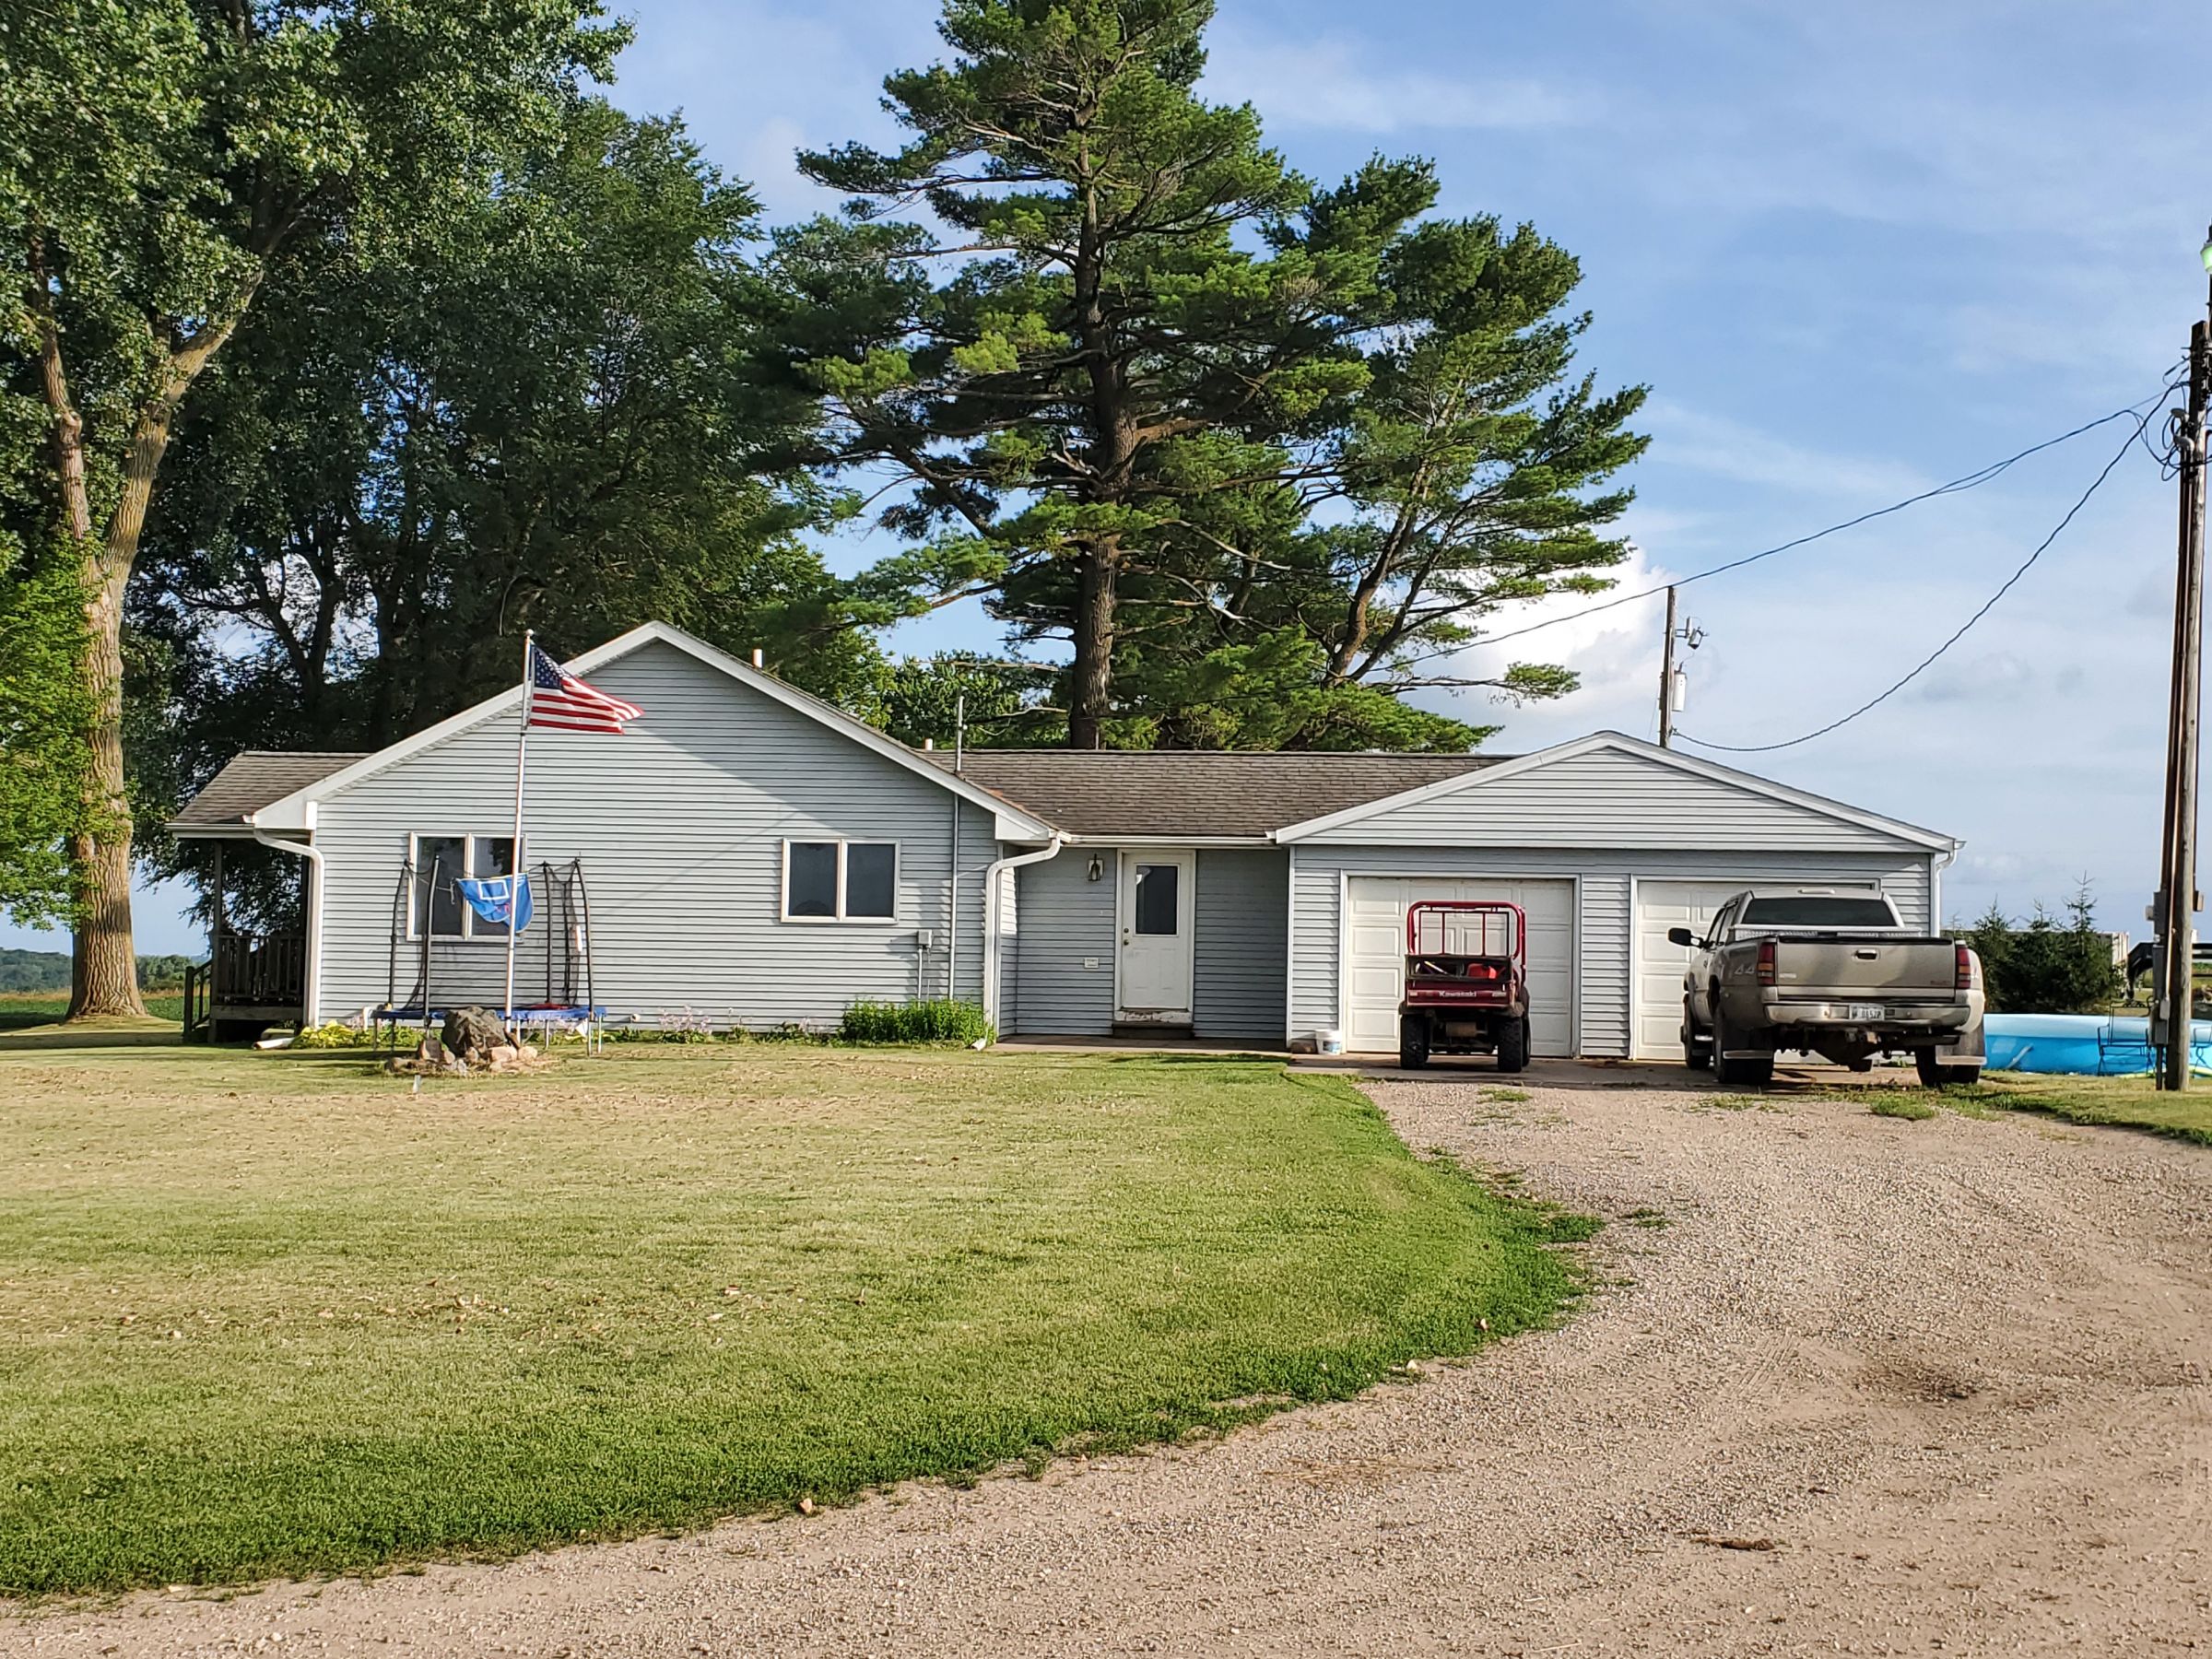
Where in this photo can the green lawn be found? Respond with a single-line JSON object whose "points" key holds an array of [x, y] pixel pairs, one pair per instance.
{"points": [[2118, 1102], [268, 1314]]}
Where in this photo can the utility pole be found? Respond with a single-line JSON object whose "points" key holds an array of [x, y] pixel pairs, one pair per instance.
{"points": [[1687, 633], [2177, 902]]}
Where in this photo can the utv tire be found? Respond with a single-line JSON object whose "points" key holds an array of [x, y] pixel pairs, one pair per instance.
{"points": [[1738, 1074], [1512, 1046], [1934, 1074], [1413, 1043], [1697, 1056]]}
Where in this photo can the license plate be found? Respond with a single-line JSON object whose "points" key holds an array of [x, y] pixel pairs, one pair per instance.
{"points": [[1863, 1010]]}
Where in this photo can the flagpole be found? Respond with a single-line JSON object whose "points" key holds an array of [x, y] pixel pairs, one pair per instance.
{"points": [[515, 872]]}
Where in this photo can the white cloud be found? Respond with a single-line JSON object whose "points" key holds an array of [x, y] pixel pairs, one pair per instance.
{"points": [[1333, 82], [1746, 454]]}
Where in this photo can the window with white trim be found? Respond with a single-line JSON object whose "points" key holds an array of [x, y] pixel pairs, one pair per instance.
{"points": [[439, 861], [840, 881]]}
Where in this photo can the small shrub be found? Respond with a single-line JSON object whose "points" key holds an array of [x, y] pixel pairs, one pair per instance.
{"points": [[939, 1021], [335, 1036]]}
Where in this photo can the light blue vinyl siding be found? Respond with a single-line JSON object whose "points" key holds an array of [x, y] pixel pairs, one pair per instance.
{"points": [[680, 824], [1607, 797], [1241, 924], [1238, 945], [1064, 949]]}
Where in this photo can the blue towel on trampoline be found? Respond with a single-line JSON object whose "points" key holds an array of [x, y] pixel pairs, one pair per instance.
{"points": [[494, 897]]}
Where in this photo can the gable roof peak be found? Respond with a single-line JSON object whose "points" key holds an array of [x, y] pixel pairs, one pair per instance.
{"points": [[294, 811]]}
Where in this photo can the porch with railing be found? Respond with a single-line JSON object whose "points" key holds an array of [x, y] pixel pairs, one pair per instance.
{"points": [[258, 978]]}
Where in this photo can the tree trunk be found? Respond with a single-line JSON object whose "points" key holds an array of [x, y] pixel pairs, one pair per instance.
{"points": [[103, 976], [1092, 679], [104, 960], [103, 966]]}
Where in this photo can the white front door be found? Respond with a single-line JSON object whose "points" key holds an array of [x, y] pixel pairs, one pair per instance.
{"points": [[1155, 978]]}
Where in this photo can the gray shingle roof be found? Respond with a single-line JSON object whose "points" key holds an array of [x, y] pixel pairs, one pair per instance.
{"points": [[253, 779], [1196, 793], [1084, 791]]}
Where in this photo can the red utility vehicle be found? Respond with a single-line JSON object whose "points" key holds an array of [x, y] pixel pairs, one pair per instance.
{"points": [[1466, 981]]}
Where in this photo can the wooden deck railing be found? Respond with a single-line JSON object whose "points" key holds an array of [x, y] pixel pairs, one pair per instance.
{"points": [[258, 971]]}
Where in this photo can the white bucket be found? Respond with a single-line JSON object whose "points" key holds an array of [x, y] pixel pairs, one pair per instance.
{"points": [[1328, 1042]]}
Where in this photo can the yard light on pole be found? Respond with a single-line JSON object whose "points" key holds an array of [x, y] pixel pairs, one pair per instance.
{"points": [[2174, 909]]}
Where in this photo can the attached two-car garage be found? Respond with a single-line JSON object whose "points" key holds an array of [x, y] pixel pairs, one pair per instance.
{"points": [[1606, 844]]}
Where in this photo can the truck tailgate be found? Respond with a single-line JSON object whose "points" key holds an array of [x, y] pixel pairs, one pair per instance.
{"points": [[1917, 969]]}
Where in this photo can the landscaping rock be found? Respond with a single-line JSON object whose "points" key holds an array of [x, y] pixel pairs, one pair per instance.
{"points": [[471, 1034]]}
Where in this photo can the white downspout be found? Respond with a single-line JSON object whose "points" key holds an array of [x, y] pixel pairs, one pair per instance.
{"points": [[991, 883], [310, 1002], [1936, 867]]}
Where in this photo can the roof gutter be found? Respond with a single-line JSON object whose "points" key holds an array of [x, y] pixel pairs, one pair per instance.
{"points": [[991, 885], [311, 1000]]}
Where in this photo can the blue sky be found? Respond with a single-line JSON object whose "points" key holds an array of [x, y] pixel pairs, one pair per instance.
{"points": [[1854, 251]]}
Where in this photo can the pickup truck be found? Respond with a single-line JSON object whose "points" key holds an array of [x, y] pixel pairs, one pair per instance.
{"points": [[1830, 971]]}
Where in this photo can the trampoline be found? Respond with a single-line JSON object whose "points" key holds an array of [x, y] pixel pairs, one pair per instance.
{"points": [[453, 969]]}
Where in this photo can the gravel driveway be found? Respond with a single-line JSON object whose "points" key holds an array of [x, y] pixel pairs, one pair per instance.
{"points": [[1943, 1385]]}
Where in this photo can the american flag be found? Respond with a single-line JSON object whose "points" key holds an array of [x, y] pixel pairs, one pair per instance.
{"points": [[564, 703]]}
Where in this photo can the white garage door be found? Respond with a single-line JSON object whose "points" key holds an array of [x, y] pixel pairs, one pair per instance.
{"points": [[1659, 906], [1375, 963]]}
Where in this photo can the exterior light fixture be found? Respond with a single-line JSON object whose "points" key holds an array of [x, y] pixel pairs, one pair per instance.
{"points": [[1096, 869], [2204, 253]]}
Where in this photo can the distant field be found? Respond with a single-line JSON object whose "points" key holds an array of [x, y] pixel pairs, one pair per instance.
{"points": [[21, 1008]]}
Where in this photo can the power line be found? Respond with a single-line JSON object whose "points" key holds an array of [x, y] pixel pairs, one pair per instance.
{"points": [[1970, 481], [1987, 605]]}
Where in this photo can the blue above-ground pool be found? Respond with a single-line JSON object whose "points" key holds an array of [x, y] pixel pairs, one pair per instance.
{"points": [[2084, 1045]]}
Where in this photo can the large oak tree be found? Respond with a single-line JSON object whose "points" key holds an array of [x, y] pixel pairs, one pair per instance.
{"points": [[156, 158]]}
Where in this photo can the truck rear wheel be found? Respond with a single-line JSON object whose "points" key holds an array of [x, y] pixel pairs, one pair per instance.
{"points": [[1512, 1046], [1413, 1041], [1934, 1074], [1741, 1074], [1697, 1056]]}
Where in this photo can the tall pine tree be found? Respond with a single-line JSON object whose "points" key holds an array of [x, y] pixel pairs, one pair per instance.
{"points": [[1127, 364]]}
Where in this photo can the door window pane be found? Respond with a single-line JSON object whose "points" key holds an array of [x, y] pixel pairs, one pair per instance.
{"points": [[811, 884], [493, 855], [1156, 898], [872, 879], [438, 864]]}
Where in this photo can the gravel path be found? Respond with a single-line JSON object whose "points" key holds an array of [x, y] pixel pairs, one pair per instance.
{"points": [[1949, 1380]]}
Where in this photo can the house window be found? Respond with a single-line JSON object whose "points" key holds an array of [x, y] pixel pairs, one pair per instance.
{"points": [[439, 861], [840, 881]]}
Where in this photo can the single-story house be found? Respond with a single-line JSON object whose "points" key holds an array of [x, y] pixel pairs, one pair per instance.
{"points": [[754, 855]]}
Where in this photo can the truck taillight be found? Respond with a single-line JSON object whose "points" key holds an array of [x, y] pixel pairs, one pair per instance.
{"points": [[1965, 960], [1766, 961]]}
